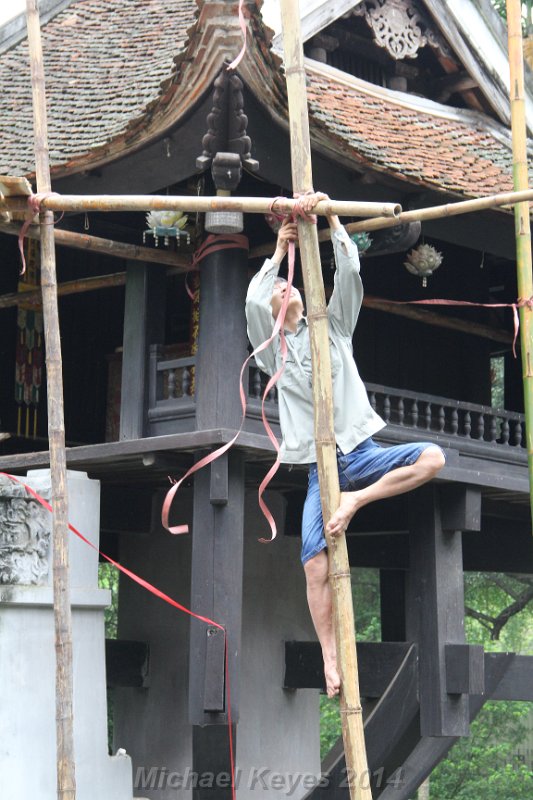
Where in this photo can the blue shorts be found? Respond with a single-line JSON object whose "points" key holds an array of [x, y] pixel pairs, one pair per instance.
{"points": [[363, 466]]}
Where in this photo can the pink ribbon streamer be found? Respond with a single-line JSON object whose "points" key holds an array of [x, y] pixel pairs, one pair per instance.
{"points": [[242, 24], [520, 303], [278, 329]]}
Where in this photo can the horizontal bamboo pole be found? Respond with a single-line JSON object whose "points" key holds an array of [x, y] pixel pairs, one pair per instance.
{"points": [[108, 247], [254, 205], [417, 215], [438, 212]]}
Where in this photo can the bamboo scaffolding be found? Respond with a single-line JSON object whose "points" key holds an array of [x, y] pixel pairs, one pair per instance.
{"points": [[197, 203], [106, 247], [443, 211], [339, 568], [419, 215], [522, 221], [66, 777]]}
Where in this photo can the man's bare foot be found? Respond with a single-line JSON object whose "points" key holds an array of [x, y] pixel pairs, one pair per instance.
{"points": [[342, 516], [333, 681]]}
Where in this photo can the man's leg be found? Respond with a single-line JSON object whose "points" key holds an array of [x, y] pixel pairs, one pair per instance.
{"points": [[397, 481], [320, 606], [315, 562]]}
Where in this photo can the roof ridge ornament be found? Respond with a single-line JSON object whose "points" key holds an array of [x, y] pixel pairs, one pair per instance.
{"points": [[401, 27]]}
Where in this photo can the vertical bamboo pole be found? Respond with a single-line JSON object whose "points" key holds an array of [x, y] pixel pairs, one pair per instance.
{"points": [[66, 781], [522, 218], [339, 569]]}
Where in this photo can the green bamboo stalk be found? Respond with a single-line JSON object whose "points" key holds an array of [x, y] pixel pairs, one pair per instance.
{"points": [[522, 217]]}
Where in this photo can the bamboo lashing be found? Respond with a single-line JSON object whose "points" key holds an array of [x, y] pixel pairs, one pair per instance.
{"points": [[66, 777], [522, 221], [339, 568]]}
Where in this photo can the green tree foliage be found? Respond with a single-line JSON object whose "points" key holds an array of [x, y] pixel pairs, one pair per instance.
{"points": [[527, 13], [483, 766]]}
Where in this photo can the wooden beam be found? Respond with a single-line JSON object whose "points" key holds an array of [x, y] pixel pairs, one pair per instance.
{"points": [[144, 321], [106, 247], [435, 612]]}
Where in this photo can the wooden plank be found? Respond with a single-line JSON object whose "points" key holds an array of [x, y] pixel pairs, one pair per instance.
{"points": [[465, 669], [378, 664], [517, 681], [435, 612], [216, 589], [210, 757], [15, 186], [214, 682], [460, 507]]}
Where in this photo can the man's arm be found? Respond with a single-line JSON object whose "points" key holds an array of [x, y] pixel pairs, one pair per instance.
{"points": [[347, 296], [258, 300]]}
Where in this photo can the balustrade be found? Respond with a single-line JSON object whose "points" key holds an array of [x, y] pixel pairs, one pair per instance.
{"points": [[172, 385]]}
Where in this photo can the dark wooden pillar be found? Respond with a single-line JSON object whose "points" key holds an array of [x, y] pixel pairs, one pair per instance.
{"points": [[144, 324], [218, 517], [435, 612]]}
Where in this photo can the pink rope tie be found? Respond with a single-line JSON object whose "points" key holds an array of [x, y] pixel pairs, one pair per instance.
{"points": [[34, 208]]}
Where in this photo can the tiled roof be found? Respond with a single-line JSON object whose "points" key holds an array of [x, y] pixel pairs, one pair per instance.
{"points": [[104, 61], [119, 73], [462, 153]]}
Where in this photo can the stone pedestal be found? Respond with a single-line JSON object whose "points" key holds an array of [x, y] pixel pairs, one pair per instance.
{"points": [[27, 654]]}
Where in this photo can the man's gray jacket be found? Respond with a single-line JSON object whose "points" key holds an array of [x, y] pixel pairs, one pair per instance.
{"points": [[354, 418]]}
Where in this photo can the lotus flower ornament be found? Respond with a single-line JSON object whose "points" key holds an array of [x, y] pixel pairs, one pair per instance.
{"points": [[423, 261]]}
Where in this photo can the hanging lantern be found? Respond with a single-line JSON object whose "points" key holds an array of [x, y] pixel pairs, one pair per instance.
{"points": [[362, 240], [423, 261], [166, 225]]}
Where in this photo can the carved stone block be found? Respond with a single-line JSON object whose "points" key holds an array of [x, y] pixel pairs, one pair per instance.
{"points": [[25, 531]]}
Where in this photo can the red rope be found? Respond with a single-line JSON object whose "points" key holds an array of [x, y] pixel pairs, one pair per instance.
{"points": [[520, 303], [162, 596]]}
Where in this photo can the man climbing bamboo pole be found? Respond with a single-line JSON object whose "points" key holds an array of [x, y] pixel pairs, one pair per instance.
{"points": [[522, 218], [66, 781], [312, 433]]}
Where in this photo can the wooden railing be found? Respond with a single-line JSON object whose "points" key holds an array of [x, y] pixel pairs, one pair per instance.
{"points": [[408, 414]]}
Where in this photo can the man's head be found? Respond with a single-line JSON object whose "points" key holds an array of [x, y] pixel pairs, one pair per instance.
{"points": [[278, 295]]}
